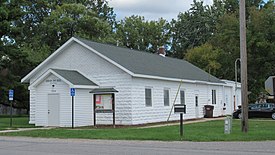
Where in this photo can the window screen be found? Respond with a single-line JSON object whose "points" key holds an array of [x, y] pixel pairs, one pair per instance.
{"points": [[182, 97], [148, 97], [166, 97], [214, 100]]}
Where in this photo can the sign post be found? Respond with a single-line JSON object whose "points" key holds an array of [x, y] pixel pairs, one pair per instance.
{"points": [[72, 95], [11, 94], [181, 124], [180, 108]]}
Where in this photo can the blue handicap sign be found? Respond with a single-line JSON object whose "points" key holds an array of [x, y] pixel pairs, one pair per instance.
{"points": [[72, 91], [11, 93]]}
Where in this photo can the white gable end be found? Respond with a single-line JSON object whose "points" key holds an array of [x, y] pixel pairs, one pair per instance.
{"points": [[77, 57]]}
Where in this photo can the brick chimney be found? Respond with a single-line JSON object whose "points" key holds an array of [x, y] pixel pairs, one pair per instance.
{"points": [[161, 51]]}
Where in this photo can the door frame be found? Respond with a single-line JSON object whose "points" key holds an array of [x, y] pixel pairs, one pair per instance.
{"points": [[197, 105], [58, 111]]}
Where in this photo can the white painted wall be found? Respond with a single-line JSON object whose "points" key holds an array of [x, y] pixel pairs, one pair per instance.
{"points": [[158, 112], [83, 107], [32, 106], [234, 91], [77, 57], [41, 103]]}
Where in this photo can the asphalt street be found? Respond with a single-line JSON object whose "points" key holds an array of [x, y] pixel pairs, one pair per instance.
{"points": [[43, 146]]}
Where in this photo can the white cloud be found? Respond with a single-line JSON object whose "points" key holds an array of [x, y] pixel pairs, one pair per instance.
{"points": [[151, 9]]}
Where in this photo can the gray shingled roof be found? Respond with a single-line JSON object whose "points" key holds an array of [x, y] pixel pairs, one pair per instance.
{"points": [[103, 90], [146, 63], [74, 77]]}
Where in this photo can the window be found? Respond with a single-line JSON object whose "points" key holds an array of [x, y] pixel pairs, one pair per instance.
{"points": [[148, 97], [196, 100], [214, 101], [166, 97], [182, 97]]}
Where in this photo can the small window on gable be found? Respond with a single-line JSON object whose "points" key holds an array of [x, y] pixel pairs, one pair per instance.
{"points": [[214, 97], [182, 97], [166, 97], [148, 97]]}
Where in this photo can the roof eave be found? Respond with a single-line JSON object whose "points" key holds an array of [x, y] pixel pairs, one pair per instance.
{"points": [[177, 79], [27, 78], [50, 71], [85, 86]]}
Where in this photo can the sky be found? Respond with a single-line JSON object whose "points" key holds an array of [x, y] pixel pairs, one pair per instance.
{"points": [[151, 9]]}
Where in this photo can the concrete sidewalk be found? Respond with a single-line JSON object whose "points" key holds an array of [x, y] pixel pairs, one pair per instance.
{"points": [[184, 122], [26, 129]]}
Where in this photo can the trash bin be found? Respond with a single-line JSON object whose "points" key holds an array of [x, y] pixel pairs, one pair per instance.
{"points": [[208, 111]]}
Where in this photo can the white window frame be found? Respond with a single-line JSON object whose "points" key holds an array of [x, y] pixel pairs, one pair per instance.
{"points": [[151, 89], [184, 96], [214, 96], [166, 89]]}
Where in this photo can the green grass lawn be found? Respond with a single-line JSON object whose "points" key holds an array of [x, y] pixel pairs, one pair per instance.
{"points": [[17, 122], [259, 130]]}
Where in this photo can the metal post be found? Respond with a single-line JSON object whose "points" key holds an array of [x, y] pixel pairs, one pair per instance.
{"points": [[10, 113], [181, 124], [243, 54], [114, 118], [94, 109], [72, 111]]}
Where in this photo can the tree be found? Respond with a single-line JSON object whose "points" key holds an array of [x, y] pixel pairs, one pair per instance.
{"points": [[12, 61], [69, 20], [260, 45], [195, 26], [35, 12], [136, 33], [205, 57], [31, 30]]}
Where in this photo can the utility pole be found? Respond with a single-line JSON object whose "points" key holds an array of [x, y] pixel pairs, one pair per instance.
{"points": [[236, 81], [244, 122]]}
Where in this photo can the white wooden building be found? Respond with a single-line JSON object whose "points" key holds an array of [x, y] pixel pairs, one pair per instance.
{"points": [[131, 86]]}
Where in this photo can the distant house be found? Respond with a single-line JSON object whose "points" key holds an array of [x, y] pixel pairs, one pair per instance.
{"points": [[130, 86]]}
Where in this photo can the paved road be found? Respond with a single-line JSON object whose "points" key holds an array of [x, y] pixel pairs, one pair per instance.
{"points": [[41, 146]]}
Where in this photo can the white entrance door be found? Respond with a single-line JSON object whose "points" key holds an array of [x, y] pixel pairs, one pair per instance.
{"points": [[197, 112], [53, 109]]}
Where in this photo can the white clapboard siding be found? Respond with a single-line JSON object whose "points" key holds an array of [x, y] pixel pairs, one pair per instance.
{"points": [[123, 108], [41, 104], [32, 106], [130, 105], [77, 57], [83, 108], [158, 112]]}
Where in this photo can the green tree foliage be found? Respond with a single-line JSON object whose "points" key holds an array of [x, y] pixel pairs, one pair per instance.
{"points": [[260, 44], [205, 57], [227, 41], [195, 26], [31, 30], [12, 62], [72, 20], [136, 33]]}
